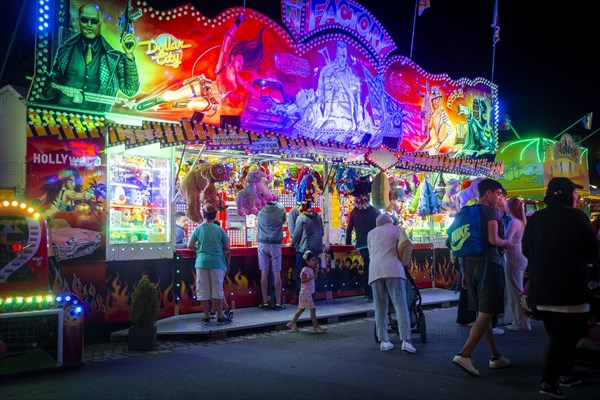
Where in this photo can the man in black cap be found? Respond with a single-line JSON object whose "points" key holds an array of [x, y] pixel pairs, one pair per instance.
{"points": [[558, 243]]}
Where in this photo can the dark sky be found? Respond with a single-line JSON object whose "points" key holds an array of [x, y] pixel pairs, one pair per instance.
{"points": [[544, 67]]}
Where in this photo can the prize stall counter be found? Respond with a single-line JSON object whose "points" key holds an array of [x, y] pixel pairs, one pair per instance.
{"points": [[242, 283]]}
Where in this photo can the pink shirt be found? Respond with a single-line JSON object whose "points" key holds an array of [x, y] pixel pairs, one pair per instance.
{"points": [[307, 287]]}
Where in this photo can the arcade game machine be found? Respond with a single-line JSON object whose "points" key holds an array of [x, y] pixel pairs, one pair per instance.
{"points": [[39, 330]]}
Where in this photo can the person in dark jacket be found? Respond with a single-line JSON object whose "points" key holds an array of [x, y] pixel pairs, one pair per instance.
{"points": [[308, 235], [362, 221], [270, 236], [558, 243]]}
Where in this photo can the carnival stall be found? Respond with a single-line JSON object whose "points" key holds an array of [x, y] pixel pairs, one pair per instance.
{"points": [[531, 163], [115, 144]]}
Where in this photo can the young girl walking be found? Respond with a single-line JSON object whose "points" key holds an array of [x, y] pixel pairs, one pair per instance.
{"points": [[307, 288]]}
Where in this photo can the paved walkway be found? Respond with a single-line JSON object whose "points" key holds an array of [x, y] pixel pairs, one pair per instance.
{"points": [[252, 318]]}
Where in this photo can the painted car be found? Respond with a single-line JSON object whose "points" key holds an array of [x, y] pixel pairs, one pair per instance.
{"points": [[69, 243], [270, 110]]}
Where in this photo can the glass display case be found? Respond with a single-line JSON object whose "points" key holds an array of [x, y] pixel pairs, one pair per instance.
{"points": [[139, 206]]}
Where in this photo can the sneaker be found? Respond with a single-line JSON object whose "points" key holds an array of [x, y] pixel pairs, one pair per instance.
{"points": [[223, 321], [408, 347], [206, 321], [515, 328], [466, 364], [279, 307], [293, 326], [552, 391], [318, 329], [499, 362], [263, 306], [386, 345], [568, 381], [498, 331]]}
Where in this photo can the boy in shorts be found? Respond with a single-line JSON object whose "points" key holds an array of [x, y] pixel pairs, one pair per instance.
{"points": [[484, 279]]}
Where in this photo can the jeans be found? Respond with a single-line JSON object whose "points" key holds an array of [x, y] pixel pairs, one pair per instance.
{"points": [[394, 289]]}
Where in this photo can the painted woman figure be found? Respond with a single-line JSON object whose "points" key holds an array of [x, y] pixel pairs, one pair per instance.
{"points": [[221, 97], [61, 193]]}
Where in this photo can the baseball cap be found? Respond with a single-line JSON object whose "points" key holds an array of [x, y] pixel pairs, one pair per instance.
{"points": [[210, 212], [560, 186]]}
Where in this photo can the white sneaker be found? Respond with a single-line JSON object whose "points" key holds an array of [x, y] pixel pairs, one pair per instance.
{"points": [[497, 331], [499, 362], [466, 364], [386, 345], [408, 347]]}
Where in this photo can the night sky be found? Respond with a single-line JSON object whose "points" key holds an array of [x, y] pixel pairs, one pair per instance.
{"points": [[544, 65]]}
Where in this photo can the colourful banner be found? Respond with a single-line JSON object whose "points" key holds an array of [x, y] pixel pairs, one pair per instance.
{"points": [[332, 81]]}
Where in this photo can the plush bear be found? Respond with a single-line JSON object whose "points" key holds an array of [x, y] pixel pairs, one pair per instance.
{"points": [[450, 201], [195, 183]]}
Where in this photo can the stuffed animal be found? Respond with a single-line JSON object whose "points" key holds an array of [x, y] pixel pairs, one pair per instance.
{"points": [[450, 201], [262, 191], [194, 184], [254, 196], [468, 194], [380, 191]]}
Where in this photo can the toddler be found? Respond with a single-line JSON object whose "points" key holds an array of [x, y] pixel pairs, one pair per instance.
{"points": [[307, 288]]}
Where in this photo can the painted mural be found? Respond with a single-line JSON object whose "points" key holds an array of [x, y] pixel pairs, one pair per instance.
{"points": [[328, 77], [67, 182]]}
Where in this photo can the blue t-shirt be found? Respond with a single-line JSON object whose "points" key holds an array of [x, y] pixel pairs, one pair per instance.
{"points": [[210, 239]]}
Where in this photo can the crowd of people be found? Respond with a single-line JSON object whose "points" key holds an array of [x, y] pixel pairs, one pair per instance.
{"points": [[518, 249]]}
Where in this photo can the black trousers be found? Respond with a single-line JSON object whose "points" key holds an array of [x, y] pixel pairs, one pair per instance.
{"points": [[364, 253], [564, 331]]}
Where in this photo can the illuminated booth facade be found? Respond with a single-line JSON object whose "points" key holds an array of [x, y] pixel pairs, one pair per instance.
{"points": [[122, 94]]}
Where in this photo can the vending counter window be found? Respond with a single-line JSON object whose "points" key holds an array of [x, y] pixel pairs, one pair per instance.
{"points": [[140, 192]]}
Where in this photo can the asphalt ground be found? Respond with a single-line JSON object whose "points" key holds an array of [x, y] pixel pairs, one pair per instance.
{"points": [[344, 363]]}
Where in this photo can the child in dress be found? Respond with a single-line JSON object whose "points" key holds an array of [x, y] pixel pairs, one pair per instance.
{"points": [[307, 288]]}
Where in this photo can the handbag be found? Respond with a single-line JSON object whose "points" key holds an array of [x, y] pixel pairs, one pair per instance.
{"points": [[529, 310], [404, 250]]}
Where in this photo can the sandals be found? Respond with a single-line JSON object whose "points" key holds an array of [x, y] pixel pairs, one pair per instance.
{"points": [[318, 329], [293, 326]]}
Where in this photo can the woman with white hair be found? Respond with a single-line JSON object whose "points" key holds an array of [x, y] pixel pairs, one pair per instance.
{"points": [[387, 278]]}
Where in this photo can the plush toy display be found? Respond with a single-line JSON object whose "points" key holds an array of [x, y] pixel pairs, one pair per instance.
{"points": [[255, 194], [450, 201], [468, 194], [196, 182], [306, 189], [380, 191]]}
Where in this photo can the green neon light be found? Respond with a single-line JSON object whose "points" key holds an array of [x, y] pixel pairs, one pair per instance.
{"points": [[525, 148]]}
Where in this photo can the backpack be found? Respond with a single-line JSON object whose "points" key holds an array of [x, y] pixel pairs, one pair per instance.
{"points": [[465, 236]]}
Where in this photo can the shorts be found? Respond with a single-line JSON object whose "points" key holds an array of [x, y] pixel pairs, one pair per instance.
{"points": [[305, 300], [485, 285], [269, 254], [209, 283]]}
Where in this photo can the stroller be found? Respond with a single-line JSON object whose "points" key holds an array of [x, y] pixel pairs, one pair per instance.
{"points": [[415, 311]]}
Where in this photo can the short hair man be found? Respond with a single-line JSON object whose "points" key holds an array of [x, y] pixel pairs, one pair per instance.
{"points": [[270, 237], [484, 278], [180, 236]]}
